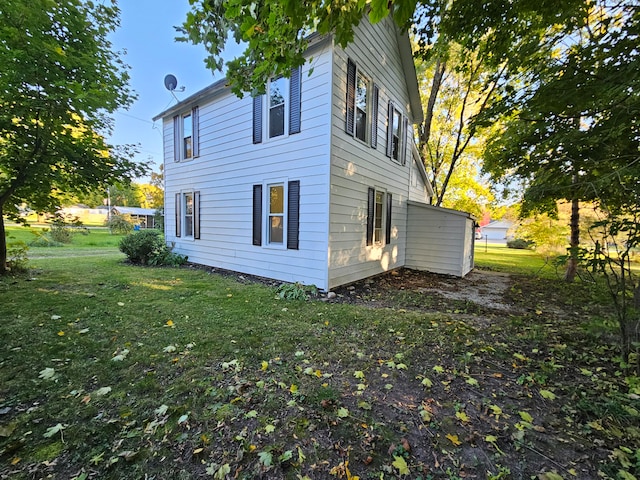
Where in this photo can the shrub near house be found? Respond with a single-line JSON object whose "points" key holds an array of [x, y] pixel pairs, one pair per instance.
{"points": [[148, 247]]}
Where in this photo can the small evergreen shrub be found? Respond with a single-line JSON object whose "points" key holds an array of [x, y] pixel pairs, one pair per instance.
{"points": [[147, 247], [519, 244], [119, 225]]}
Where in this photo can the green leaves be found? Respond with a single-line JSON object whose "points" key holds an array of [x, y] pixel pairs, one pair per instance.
{"points": [[401, 465], [547, 394], [51, 431], [47, 374], [266, 459]]}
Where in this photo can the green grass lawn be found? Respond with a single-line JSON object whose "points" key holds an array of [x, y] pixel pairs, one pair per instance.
{"points": [[113, 371], [500, 258], [95, 241]]}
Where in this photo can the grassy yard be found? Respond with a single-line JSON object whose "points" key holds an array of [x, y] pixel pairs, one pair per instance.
{"points": [[95, 241], [503, 259], [118, 372]]}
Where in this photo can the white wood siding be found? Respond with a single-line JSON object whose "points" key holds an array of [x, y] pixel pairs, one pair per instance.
{"points": [[355, 166], [418, 191], [230, 164], [439, 240]]}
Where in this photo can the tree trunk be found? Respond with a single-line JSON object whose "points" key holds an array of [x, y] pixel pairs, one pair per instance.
{"points": [[438, 73], [3, 245], [572, 264], [635, 327]]}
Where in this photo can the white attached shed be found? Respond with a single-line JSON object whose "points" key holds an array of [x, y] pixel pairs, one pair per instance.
{"points": [[439, 240]]}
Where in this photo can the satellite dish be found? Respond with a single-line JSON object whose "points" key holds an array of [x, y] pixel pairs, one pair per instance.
{"points": [[170, 82]]}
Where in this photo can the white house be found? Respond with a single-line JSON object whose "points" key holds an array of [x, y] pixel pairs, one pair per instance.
{"points": [[498, 230], [142, 217], [317, 181]]}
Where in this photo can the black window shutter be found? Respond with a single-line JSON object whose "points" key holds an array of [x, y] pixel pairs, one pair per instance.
{"points": [[295, 92], [293, 215], [387, 233], [196, 215], [351, 98], [195, 135], [178, 215], [257, 119], [374, 116], [176, 139], [390, 130], [371, 209], [405, 141], [257, 215]]}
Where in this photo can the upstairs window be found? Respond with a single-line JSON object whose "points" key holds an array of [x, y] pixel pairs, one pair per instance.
{"points": [[187, 132], [186, 135], [362, 88], [361, 106], [277, 106], [397, 128], [277, 113]]}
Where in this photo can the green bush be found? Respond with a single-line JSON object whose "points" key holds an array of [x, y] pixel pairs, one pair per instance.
{"points": [[61, 234], [147, 247], [119, 224], [17, 259], [42, 239], [296, 291], [519, 244], [158, 219]]}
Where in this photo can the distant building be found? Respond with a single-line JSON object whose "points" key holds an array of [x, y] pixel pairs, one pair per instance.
{"points": [[144, 217], [498, 230]]}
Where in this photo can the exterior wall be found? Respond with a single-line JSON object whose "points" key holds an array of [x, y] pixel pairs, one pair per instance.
{"points": [[439, 240], [355, 166], [418, 190], [230, 164]]}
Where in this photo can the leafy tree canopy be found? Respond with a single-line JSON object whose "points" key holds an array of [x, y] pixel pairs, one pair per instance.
{"points": [[275, 32], [60, 81], [572, 131]]}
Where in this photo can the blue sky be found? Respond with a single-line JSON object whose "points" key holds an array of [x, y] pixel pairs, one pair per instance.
{"points": [[146, 33]]}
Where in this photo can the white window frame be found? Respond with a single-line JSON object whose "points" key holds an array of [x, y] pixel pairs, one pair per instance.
{"points": [[369, 91], [267, 214], [185, 233], [378, 232], [183, 138], [267, 109], [398, 153]]}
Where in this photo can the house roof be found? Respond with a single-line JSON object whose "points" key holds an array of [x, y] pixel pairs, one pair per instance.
{"points": [[406, 58], [133, 211], [410, 75], [499, 224]]}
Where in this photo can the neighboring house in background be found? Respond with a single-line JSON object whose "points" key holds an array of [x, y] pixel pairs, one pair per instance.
{"points": [[317, 181], [498, 230], [143, 217]]}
